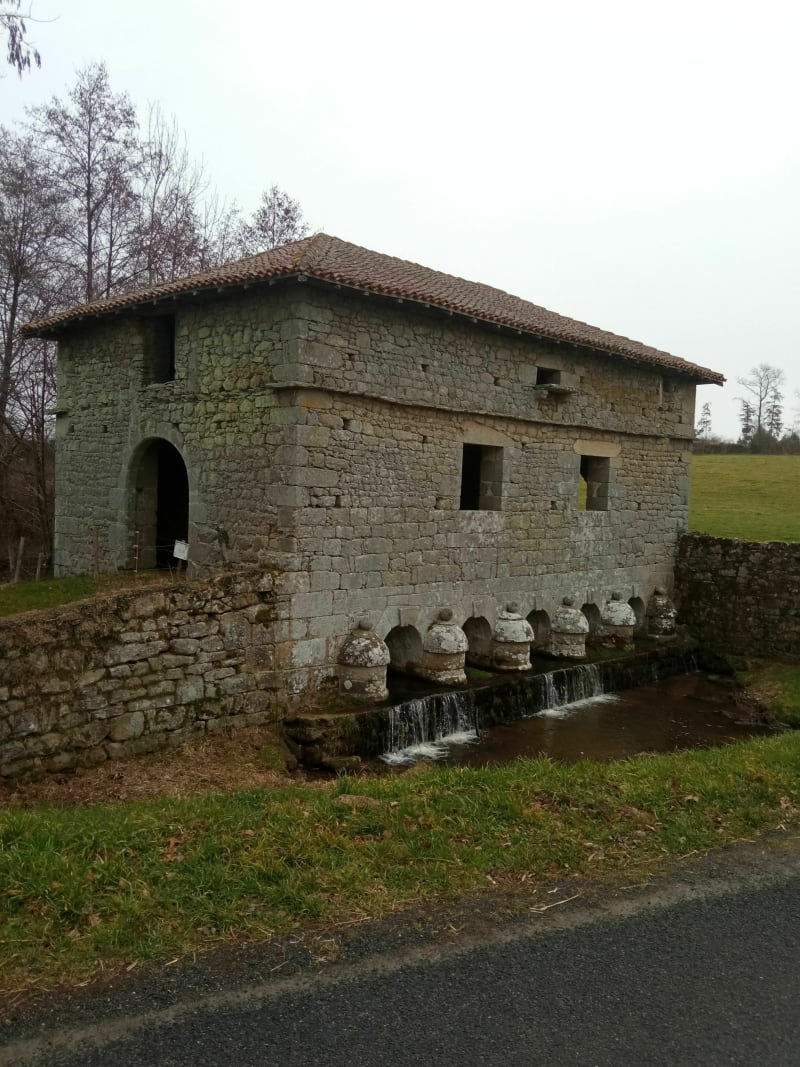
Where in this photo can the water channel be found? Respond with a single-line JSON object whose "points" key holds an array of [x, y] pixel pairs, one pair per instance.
{"points": [[577, 721]]}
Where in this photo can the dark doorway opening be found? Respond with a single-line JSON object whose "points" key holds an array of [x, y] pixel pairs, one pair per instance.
{"points": [[172, 509], [161, 508]]}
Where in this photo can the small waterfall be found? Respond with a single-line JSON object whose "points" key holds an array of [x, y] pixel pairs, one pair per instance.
{"points": [[569, 687], [409, 723], [425, 727]]}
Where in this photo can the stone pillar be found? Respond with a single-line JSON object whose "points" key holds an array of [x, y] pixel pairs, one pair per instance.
{"points": [[511, 641], [361, 664], [443, 650], [568, 631], [619, 622], [660, 614]]}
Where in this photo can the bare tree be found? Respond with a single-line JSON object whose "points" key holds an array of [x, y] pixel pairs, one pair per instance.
{"points": [[220, 232], [760, 383], [32, 226], [277, 220], [20, 53], [171, 188], [92, 151]]}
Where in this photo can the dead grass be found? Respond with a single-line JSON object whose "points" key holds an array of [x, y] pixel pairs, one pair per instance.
{"points": [[219, 763]]}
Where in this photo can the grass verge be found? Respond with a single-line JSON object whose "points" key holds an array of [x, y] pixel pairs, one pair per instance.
{"points": [[88, 891], [777, 685]]}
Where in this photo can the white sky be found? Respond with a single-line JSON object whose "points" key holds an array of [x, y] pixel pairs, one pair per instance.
{"points": [[633, 164]]}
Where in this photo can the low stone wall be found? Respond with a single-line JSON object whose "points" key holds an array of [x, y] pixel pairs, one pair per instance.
{"points": [[741, 597], [131, 672]]}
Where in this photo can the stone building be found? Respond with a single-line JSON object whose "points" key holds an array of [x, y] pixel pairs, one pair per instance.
{"points": [[387, 440]]}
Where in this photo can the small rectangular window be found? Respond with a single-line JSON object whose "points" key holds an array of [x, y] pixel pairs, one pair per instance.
{"points": [[593, 483], [159, 349], [481, 478], [548, 376]]}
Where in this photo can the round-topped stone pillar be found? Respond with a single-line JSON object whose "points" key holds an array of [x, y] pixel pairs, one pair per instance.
{"points": [[443, 650], [568, 631], [661, 614], [361, 664], [511, 641], [619, 623]]}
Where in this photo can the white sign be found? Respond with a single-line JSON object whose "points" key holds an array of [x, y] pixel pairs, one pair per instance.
{"points": [[181, 550]]}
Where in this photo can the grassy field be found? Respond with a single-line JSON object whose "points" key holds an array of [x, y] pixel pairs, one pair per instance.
{"points": [[755, 498]]}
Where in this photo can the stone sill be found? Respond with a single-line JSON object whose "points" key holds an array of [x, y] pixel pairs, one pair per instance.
{"points": [[556, 389]]}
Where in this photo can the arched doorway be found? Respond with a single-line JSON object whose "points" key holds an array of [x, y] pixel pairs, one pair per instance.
{"points": [[160, 501]]}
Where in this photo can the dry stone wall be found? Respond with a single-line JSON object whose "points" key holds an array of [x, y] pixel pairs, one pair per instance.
{"points": [[740, 597], [132, 672]]}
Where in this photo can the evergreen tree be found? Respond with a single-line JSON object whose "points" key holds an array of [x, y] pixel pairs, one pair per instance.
{"points": [[703, 428], [747, 419]]}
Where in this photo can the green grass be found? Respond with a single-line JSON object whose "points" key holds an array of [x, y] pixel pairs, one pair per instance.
{"points": [[52, 592], [755, 498], [778, 686], [87, 891]]}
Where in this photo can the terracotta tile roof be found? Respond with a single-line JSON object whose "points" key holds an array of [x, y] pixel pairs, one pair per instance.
{"points": [[329, 259]]}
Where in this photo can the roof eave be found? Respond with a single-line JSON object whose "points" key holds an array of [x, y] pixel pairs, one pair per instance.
{"points": [[52, 328]]}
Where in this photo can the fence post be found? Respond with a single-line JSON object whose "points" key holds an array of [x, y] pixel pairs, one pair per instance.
{"points": [[18, 565]]}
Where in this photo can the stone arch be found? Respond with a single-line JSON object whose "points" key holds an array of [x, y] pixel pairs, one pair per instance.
{"points": [[592, 613], [639, 610], [540, 621], [479, 637], [158, 501], [405, 649]]}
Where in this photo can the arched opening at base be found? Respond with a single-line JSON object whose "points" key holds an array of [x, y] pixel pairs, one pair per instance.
{"points": [[641, 616], [479, 636], [592, 613], [160, 502], [405, 649], [540, 621]]}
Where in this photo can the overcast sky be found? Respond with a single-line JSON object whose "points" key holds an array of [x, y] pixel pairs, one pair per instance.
{"points": [[632, 164]]}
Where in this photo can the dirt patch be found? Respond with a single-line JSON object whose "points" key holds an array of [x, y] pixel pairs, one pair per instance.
{"points": [[245, 759]]}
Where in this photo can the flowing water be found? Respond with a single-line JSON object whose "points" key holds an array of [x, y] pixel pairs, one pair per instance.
{"points": [[429, 727], [576, 721]]}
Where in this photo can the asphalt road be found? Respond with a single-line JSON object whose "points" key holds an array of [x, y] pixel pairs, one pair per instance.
{"points": [[705, 973]]}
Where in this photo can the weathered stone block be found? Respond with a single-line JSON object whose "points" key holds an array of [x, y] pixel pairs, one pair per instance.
{"points": [[133, 652], [125, 727], [185, 647]]}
